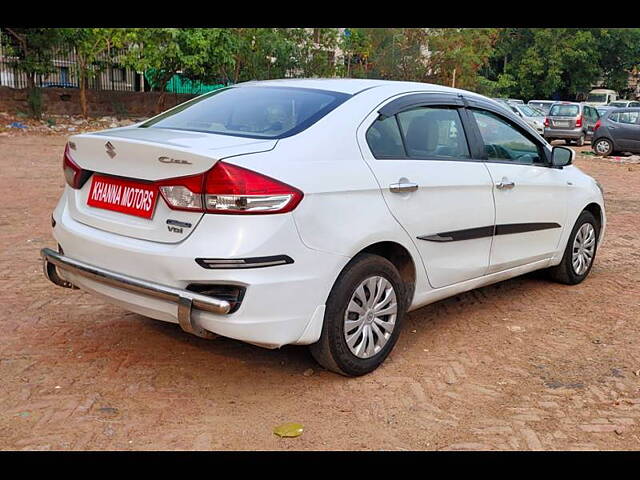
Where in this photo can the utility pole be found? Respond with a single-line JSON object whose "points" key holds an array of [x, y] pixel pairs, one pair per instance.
{"points": [[453, 82]]}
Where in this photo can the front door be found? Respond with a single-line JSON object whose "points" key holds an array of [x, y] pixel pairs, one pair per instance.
{"points": [[530, 197], [434, 188]]}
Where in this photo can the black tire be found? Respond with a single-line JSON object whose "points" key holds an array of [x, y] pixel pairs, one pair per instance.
{"points": [[564, 272], [332, 351], [580, 141], [602, 141], [568, 141]]}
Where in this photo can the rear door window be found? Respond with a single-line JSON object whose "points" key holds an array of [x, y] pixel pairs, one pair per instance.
{"points": [[384, 139]]}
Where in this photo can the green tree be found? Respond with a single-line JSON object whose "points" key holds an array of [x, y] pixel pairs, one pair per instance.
{"points": [[93, 50], [543, 62], [32, 49], [619, 50], [199, 54], [356, 47], [262, 53]]}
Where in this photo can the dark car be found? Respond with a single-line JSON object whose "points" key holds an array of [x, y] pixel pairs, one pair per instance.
{"points": [[58, 85], [571, 122], [618, 130]]}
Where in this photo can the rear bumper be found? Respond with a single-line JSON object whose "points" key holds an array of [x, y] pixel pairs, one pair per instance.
{"points": [[281, 305], [185, 300], [561, 133]]}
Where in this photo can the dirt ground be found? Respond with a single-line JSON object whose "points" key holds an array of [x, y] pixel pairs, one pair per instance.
{"points": [[523, 364]]}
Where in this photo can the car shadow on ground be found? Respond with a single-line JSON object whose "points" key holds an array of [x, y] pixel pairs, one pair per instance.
{"points": [[296, 359]]}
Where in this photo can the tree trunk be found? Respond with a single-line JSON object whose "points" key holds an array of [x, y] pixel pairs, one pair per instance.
{"points": [[163, 94], [83, 95], [161, 99], [34, 98]]}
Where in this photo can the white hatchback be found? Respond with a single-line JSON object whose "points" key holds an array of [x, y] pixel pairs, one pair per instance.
{"points": [[318, 212]]}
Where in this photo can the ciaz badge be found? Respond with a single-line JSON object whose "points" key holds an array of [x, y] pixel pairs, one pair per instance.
{"points": [[173, 160]]}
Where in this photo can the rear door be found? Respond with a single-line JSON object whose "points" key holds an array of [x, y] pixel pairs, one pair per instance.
{"points": [[530, 197], [433, 183]]}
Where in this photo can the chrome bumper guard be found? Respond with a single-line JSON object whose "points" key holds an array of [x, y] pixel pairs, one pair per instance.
{"points": [[185, 299]]}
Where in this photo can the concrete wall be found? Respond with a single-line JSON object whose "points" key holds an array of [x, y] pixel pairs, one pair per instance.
{"points": [[66, 101]]}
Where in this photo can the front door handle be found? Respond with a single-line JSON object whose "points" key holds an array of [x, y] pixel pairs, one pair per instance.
{"points": [[403, 187], [505, 183]]}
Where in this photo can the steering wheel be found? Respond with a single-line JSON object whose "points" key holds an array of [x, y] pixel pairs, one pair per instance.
{"points": [[497, 151]]}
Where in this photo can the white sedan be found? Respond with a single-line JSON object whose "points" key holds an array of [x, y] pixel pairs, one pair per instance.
{"points": [[318, 212]]}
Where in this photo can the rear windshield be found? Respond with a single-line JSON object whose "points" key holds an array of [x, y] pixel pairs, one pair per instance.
{"points": [[256, 112], [564, 110]]}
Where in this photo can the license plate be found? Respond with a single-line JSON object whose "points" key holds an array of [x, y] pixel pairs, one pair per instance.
{"points": [[561, 124], [125, 196]]}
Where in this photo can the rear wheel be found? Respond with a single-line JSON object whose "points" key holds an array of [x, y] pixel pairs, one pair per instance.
{"points": [[363, 317], [580, 141], [603, 147], [580, 251]]}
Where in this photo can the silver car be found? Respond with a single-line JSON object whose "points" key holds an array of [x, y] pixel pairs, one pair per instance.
{"points": [[532, 116], [544, 105], [571, 122], [624, 104]]}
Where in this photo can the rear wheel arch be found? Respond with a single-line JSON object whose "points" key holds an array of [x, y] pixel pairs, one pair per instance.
{"points": [[401, 258]]}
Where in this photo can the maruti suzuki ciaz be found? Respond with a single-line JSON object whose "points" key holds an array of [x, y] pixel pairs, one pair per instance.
{"points": [[318, 211]]}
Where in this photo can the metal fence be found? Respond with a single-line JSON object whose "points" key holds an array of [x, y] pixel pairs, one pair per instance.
{"points": [[108, 73]]}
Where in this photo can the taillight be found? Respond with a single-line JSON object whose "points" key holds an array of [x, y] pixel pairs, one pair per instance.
{"points": [[578, 122], [546, 121], [596, 126], [235, 190], [73, 174], [183, 193], [229, 189]]}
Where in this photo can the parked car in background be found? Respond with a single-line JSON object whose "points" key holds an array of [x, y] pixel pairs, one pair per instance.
{"points": [[58, 85], [531, 115], [515, 101], [544, 105], [618, 130], [503, 101], [317, 212], [624, 104], [601, 96], [603, 109], [571, 122]]}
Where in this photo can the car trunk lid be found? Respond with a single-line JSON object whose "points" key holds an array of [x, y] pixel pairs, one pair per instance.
{"points": [[131, 158]]}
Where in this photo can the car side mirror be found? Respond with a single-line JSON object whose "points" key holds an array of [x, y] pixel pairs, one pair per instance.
{"points": [[562, 156]]}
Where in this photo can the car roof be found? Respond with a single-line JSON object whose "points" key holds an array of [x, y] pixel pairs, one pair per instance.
{"points": [[350, 85]]}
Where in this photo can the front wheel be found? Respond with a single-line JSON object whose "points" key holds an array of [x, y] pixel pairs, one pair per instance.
{"points": [[580, 251], [363, 316]]}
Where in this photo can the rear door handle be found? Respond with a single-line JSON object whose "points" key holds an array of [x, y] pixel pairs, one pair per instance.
{"points": [[505, 183], [403, 187]]}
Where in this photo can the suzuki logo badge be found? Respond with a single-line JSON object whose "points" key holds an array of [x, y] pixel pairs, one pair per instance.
{"points": [[111, 150]]}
